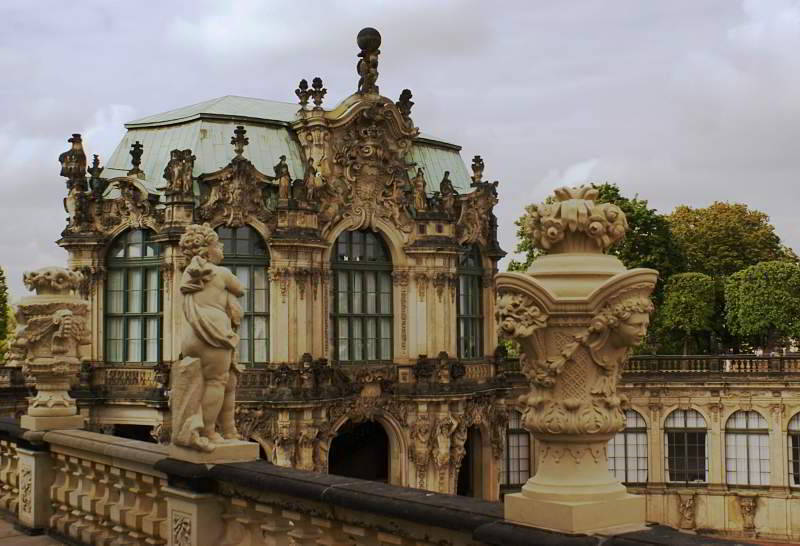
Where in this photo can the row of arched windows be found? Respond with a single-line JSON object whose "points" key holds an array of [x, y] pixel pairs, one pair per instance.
{"points": [[362, 312], [686, 450]]}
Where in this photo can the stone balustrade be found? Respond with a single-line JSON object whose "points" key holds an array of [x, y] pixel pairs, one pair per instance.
{"points": [[89, 488]]}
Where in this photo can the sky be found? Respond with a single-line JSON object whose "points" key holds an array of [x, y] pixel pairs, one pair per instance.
{"points": [[678, 102]]}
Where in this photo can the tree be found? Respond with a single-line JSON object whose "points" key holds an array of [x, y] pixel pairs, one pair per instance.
{"points": [[689, 305], [762, 302], [725, 237], [648, 242]]}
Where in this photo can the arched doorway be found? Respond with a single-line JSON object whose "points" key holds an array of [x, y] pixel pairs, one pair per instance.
{"points": [[470, 475], [360, 450]]}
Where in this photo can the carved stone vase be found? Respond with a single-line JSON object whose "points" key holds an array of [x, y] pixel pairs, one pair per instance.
{"points": [[576, 314], [52, 325]]}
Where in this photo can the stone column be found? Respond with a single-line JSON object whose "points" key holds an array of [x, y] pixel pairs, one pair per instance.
{"points": [[576, 314], [52, 328]]}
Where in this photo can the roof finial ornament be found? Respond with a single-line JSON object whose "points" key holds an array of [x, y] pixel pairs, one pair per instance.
{"points": [[73, 161], [137, 149], [404, 104], [239, 141], [318, 92], [95, 170], [477, 170], [369, 40], [302, 92]]}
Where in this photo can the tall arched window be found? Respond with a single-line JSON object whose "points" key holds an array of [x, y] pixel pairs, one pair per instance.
{"points": [[687, 453], [362, 296], [794, 450], [627, 451], [133, 299], [746, 449], [469, 305], [247, 257], [517, 458]]}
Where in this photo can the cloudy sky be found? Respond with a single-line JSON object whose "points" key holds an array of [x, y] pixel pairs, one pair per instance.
{"points": [[681, 101]]}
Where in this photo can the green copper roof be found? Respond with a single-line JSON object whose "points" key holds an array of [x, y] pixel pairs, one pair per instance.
{"points": [[207, 127]]}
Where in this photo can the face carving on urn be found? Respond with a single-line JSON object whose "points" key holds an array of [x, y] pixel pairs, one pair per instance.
{"points": [[630, 331]]}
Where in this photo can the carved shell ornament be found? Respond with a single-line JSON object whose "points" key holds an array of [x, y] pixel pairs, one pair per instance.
{"points": [[575, 210]]}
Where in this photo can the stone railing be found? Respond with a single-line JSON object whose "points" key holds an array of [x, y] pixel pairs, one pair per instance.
{"points": [[734, 364], [105, 489], [88, 488], [9, 475]]}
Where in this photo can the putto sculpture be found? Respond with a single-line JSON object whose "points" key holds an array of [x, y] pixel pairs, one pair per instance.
{"points": [[204, 381], [51, 328], [576, 314]]}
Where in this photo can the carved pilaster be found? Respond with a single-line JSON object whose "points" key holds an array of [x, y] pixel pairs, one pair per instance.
{"points": [[401, 280], [421, 278]]}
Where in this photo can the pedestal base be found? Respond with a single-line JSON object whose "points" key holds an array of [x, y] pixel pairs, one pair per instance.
{"points": [[622, 514], [235, 451], [47, 422]]}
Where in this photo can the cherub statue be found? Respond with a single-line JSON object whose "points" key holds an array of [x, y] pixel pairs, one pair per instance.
{"points": [[205, 379]]}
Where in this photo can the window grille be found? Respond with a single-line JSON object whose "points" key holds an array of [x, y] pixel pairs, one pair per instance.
{"points": [[685, 434], [247, 256], [627, 451], [746, 449], [133, 299], [517, 459], [470, 305], [362, 298]]}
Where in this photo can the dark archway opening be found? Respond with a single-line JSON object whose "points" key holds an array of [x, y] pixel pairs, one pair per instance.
{"points": [[469, 482], [360, 451]]}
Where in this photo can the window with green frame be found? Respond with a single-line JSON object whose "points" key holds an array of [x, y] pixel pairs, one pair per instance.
{"points": [[469, 304], [133, 318], [247, 256], [362, 298]]}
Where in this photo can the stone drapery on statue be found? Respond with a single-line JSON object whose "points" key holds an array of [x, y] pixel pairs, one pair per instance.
{"points": [[576, 314], [204, 380]]}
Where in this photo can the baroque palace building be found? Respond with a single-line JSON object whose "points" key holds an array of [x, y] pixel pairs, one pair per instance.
{"points": [[369, 345], [368, 253]]}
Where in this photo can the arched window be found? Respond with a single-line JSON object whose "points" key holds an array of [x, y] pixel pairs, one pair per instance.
{"points": [[746, 449], [687, 453], [794, 450], [133, 299], [517, 458], [362, 296], [469, 305], [627, 451], [247, 257]]}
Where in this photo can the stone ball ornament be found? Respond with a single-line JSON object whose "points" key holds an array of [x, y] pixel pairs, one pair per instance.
{"points": [[368, 39]]}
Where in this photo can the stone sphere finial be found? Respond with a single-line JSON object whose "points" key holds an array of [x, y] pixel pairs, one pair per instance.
{"points": [[369, 39]]}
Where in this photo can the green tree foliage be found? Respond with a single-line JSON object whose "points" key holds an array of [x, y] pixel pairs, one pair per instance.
{"points": [[762, 302], [648, 242], [725, 237], [689, 305]]}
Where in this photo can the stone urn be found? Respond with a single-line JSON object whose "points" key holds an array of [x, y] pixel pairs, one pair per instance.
{"points": [[52, 325], [576, 314]]}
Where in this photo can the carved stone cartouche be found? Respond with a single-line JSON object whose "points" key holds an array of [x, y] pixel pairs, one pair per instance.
{"points": [[576, 314]]}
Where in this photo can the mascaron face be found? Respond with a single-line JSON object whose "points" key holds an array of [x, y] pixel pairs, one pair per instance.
{"points": [[631, 332]]}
